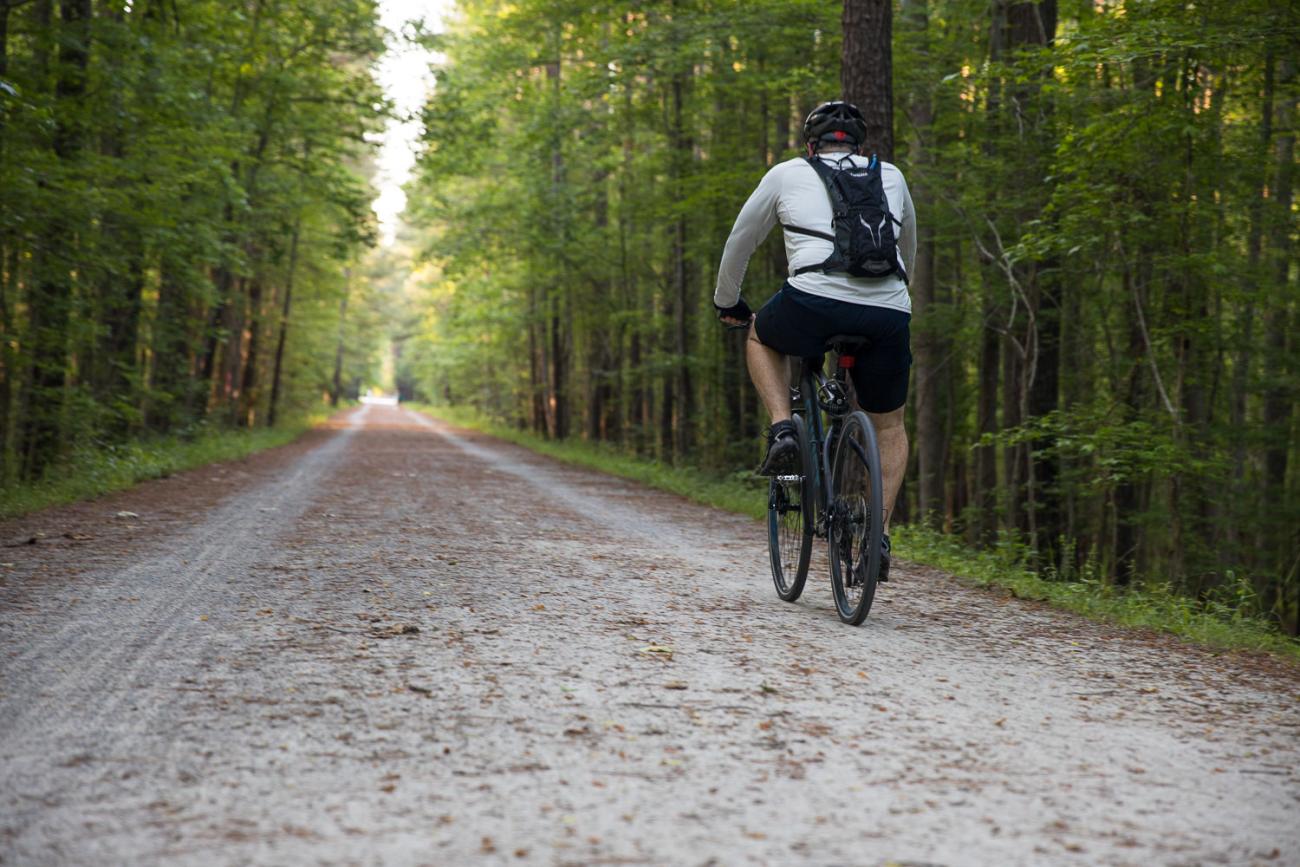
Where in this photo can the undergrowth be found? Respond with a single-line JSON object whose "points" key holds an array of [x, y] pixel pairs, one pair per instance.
{"points": [[1149, 605], [93, 470]]}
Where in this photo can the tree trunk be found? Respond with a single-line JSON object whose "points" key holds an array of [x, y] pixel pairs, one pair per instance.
{"points": [[1127, 498], [536, 382], [50, 298], [120, 298], [1277, 522], [929, 348], [233, 354], [1014, 455], [559, 370], [986, 423], [248, 385], [867, 71], [8, 359], [278, 370], [171, 377], [684, 302], [213, 338], [336, 390]]}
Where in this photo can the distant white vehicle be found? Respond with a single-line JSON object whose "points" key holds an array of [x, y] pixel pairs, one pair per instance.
{"points": [[378, 398]]}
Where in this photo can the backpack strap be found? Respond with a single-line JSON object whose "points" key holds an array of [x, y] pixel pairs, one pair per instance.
{"points": [[838, 206], [802, 231]]}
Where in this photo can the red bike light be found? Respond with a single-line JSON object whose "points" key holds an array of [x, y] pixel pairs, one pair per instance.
{"points": [[846, 361]]}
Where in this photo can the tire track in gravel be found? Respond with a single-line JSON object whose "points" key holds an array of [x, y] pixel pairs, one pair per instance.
{"points": [[438, 650], [85, 670]]}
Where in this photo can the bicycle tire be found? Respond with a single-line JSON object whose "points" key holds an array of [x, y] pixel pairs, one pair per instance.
{"points": [[856, 520], [789, 525]]}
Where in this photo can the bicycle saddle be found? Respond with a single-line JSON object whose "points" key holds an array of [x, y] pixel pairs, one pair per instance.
{"points": [[841, 342]]}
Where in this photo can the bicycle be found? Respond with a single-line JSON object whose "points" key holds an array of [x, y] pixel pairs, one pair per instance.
{"points": [[836, 496]]}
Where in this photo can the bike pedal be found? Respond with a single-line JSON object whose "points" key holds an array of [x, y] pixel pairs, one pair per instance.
{"points": [[789, 478]]}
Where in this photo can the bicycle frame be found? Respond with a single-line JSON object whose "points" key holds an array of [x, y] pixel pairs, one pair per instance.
{"points": [[823, 429]]}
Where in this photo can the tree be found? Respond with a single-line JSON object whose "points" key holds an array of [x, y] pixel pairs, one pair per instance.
{"points": [[867, 69]]}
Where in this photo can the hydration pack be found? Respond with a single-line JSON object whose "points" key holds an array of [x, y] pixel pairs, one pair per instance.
{"points": [[865, 245]]}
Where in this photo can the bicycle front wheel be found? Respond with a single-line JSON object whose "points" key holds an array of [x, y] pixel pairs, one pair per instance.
{"points": [[789, 524], [856, 521]]}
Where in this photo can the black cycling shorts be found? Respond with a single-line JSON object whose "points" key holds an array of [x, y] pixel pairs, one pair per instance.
{"points": [[797, 323]]}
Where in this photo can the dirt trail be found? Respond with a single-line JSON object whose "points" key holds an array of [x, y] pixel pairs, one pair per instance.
{"points": [[399, 643]]}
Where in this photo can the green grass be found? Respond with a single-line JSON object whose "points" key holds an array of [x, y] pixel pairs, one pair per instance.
{"points": [[91, 472], [1218, 624], [741, 493], [1215, 623]]}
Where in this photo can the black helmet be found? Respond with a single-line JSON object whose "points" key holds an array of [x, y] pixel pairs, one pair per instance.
{"points": [[836, 121]]}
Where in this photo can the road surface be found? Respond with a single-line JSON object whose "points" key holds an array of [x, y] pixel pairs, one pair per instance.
{"points": [[395, 642]]}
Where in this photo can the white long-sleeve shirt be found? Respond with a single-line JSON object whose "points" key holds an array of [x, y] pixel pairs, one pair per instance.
{"points": [[792, 193]]}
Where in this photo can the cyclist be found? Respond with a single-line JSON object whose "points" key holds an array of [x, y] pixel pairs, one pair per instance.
{"points": [[813, 305]]}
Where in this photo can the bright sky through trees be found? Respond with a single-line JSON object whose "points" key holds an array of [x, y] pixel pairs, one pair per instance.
{"points": [[404, 75]]}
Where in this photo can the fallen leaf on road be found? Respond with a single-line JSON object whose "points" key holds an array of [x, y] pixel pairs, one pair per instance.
{"points": [[658, 650], [127, 515], [395, 630], [675, 684]]}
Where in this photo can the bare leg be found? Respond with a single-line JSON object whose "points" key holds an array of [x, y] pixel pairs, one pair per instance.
{"points": [[771, 376], [892, 438]]}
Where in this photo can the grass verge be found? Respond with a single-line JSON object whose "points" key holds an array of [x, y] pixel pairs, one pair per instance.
{"points": [[91, 472], [1149, 606]]}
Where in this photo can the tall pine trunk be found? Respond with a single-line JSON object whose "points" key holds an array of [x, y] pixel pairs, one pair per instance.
{"points": [[867, 69], [277, 371], [50, 298]]}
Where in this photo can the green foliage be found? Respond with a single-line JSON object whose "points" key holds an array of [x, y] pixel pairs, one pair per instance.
{"points": [[169, 172], [91, 471], [1227, 619], [1106, 195]]}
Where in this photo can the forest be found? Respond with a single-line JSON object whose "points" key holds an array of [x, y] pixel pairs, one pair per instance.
{"points": [[1105, 363], [1103, 340], [184, 203]]}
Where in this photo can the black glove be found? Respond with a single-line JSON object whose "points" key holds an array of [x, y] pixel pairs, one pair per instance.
{"points": [[740, 310]]}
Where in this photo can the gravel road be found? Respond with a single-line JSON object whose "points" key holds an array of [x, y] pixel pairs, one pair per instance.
{"points": [[400, 643]]}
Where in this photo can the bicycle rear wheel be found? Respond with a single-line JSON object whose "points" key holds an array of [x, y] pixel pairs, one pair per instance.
{"points": [[856, 519], [790, 525]]}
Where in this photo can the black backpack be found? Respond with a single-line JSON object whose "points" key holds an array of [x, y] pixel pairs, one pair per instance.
{"points": [[864, 240]]}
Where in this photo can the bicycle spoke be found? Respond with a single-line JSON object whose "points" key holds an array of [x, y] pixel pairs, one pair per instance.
{"points": [[789, 530], [855, 519]]}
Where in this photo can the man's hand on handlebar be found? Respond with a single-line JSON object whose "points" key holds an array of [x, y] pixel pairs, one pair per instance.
{"points": [[736, 316]]}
